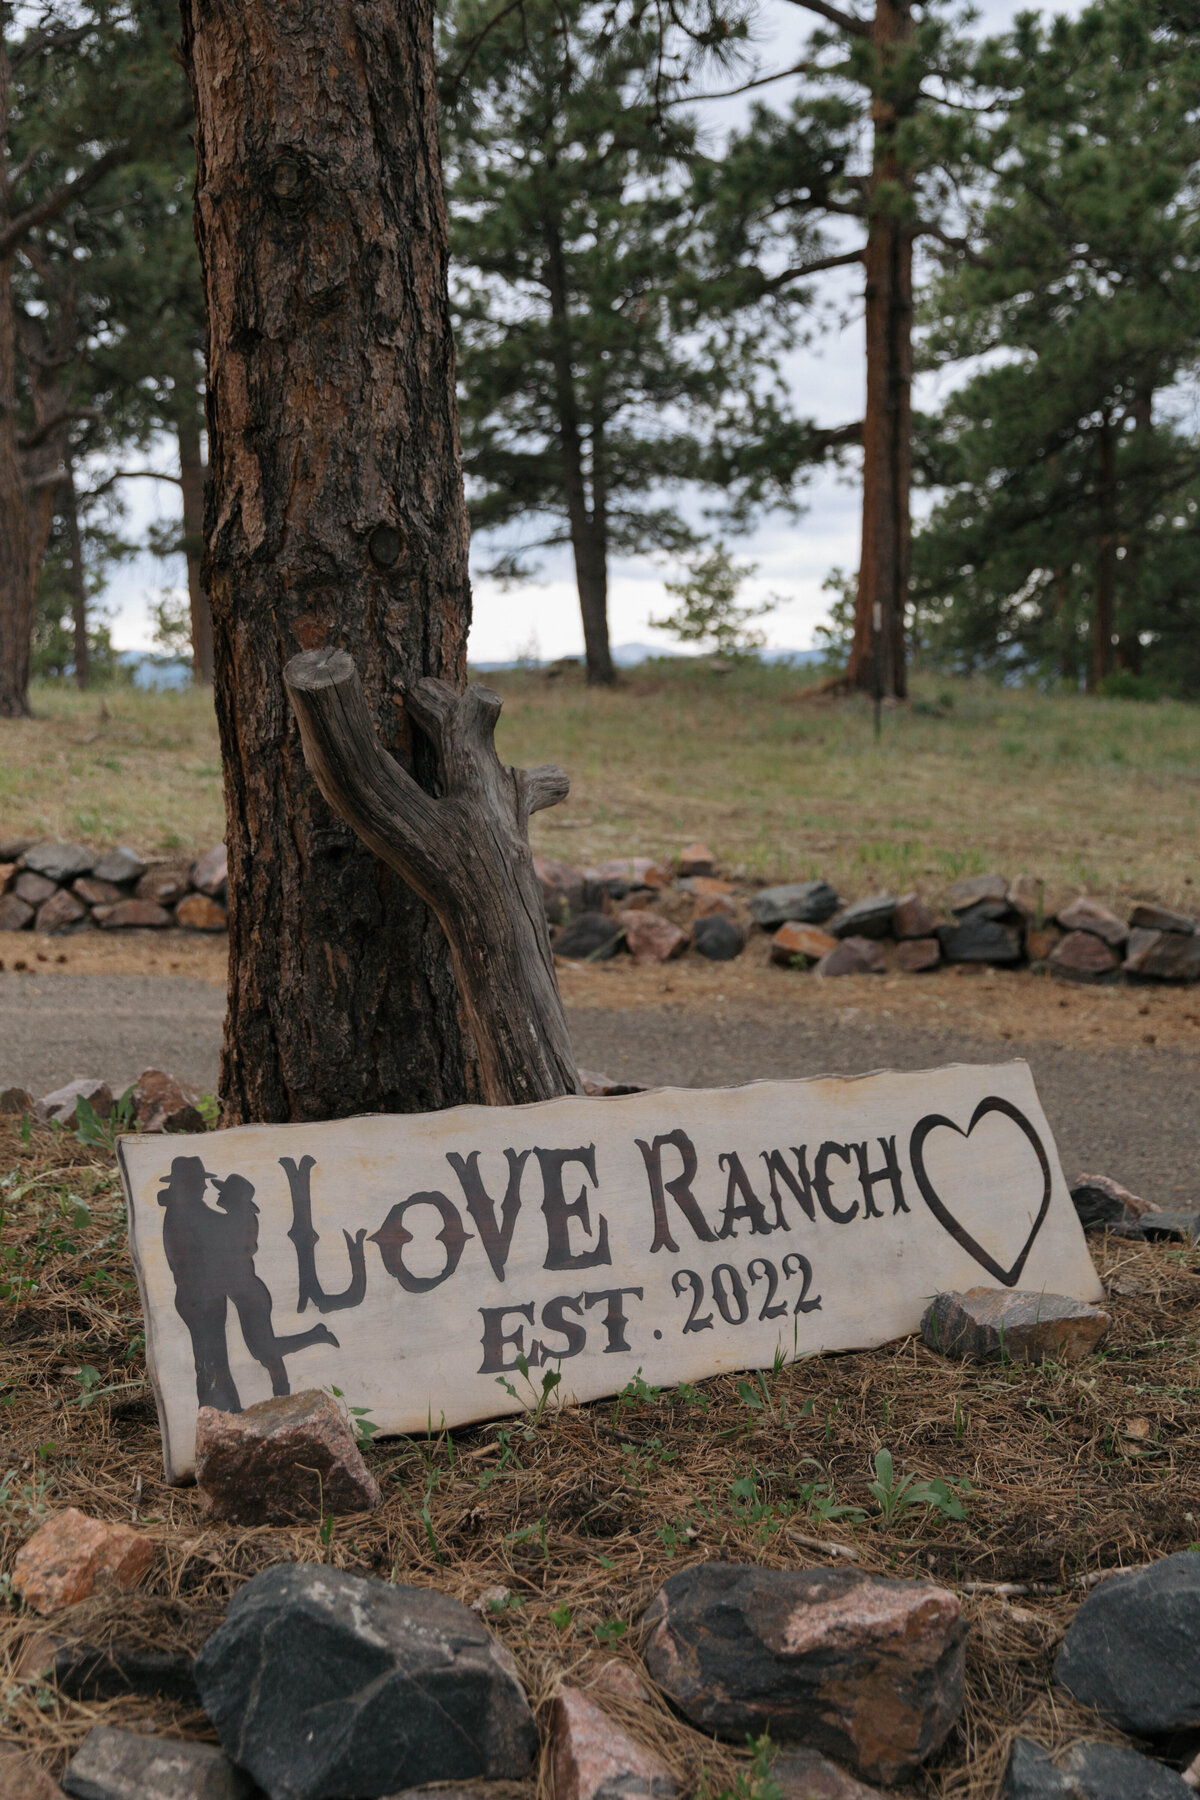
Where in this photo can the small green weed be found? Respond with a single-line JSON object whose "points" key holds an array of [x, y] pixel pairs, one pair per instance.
{"points": [[895, 1494]]}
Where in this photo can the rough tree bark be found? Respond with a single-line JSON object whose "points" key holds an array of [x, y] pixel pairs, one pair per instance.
{"points": [[69, 505], [466, 852], [334, 515], [191, 481], [877, 657]]}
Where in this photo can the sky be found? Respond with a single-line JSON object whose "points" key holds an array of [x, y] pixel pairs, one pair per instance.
{"points": [[540, 619]]}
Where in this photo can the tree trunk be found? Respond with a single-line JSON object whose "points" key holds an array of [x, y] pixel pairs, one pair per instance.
{"points": [[1106, 558], [334, 516], [586, 523], [16, 584], [69, 503], [466, 852], [1128, 648], [877, 656], [191, 476]]}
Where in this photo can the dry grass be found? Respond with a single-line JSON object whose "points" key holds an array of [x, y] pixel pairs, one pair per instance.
{"points": [[1102, 795], [581, 1517]]}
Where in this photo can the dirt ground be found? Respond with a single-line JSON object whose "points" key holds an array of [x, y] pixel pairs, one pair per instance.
{"points": [[1118, 1068]]}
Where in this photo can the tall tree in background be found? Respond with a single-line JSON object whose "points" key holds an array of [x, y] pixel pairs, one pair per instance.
{"points": [[335, 515], [598, 370], [872, 138], [78, 98], [1067, 457]]}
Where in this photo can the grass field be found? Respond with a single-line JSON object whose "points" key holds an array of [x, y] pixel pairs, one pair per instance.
{"points": [[1102, 795]]}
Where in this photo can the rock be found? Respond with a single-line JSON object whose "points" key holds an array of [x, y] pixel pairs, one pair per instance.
{"points": [[599, 1086], [807, 902], [1148, 917], [864, 1668], [112, 1764], [132, 915], [68, 1556], [986, 911], [870, 918], [59, 862], [196, 912], [622, 1682], [705, 886], [162, 1102], [806, 942], [635, 871], [89, 1672], [1088, 915], [697, 859], [14, 1102], [1082, 957], [94, 892], [912, 918], [562, 888], [13, 849], [22, 1780], [164, 885], [60, 1104], [59, 913], [209, 874], [853, 956], [975, 888], [119, 866], [281, 1460], [1131, 1650], [35, 890], [15, 913], [1102, 1202], [7, 872], [1027, 895], [996, 1323], [1088, 1772], [712, 906], [807, 1775], [915, 955], [1041, 941], [1171, 1225], [717, 938], [592, 1758], [408, 1687], [650, 939], [1160, 956], [592, 937], [984, 942]]}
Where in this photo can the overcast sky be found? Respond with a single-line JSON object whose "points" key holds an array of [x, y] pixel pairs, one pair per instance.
{"points": [[542, 618]]}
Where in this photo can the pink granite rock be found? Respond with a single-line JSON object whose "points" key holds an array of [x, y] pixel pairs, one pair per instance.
{"points": [[289, 1458], [71, 1554], [650, 938], [591, 1756]]}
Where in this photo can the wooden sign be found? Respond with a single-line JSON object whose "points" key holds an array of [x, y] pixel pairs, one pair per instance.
{"points": [[409, 1260]]}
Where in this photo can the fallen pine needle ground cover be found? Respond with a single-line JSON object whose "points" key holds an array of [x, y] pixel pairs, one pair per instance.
{"points": [[561, 1527]]}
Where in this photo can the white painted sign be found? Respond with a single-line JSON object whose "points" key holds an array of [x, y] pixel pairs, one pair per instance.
{"points": [[410, 1259]]}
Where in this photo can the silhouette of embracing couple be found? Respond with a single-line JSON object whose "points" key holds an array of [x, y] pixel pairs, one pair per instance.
{"points": [[211, 1255]]}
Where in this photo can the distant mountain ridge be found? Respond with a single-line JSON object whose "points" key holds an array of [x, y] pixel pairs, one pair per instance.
{"points": [[629, 656]]}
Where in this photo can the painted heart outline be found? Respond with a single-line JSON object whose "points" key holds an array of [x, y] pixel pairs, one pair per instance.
{"points": [[993, 1103]]}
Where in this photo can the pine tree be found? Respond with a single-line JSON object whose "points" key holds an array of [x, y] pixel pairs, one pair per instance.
{"points": [[598, 371], [1069, 484]]}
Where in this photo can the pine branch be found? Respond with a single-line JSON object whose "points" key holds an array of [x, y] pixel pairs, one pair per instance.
{"points": [[847, 22], [803, 270], [49, 208]]}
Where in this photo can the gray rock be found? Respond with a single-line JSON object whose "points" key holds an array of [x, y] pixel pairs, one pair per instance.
{"points": [[92, 1672], [592, 937], [1146, 916], [122, 1765], [1133, 1649], [975, 888], [322, 1684], [1171, 1225], [1101, 1208], [61, 912], [807, 1775], [1163, 956], [717, 938], [869, 918], [15, 913], [210, 872], [1088, 915], [12, 849], [1088, 1772], [983, 942], [119, 866], [33, 889], [996, 1323], [853, 956], [61, 1103], [164, 885], [808, 902], [985, 910], [864, 1668], [59, 862], [1084, 956]]}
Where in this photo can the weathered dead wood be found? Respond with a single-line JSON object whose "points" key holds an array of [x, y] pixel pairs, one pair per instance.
{"points": [[465, 852]]}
